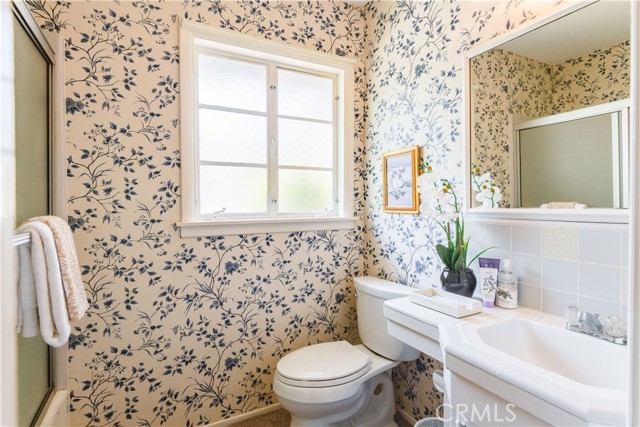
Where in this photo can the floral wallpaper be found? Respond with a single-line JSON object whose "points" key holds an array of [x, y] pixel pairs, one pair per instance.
{"points": [[189, 331], [507, 87], [596, 78], [414, 60], [183, 331]]}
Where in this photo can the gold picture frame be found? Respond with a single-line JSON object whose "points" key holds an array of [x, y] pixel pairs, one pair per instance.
{"points": [[400, 180]]}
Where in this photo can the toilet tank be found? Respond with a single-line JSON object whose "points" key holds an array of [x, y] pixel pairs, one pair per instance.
{"points": [[372, 325]]}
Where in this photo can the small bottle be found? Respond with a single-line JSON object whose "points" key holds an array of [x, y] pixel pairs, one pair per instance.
{"points": [[507, 292]]}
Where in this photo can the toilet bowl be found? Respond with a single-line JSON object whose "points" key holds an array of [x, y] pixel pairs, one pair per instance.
{"points": [[338, 384]]}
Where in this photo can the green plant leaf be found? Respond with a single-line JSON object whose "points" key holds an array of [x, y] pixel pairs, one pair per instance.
{"points": [[480, 253], [449, 241], [457, 260], [459, 231], [465, 250], [445, 255]]}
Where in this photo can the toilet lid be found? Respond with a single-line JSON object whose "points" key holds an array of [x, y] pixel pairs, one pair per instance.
{"points": [[322, 365]]}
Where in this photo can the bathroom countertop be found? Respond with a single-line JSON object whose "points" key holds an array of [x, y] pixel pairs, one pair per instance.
{"points": [[419, 326], [425, 320]]}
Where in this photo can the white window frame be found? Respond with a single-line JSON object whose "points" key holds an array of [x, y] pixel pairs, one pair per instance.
{"points": [[198, 38]]}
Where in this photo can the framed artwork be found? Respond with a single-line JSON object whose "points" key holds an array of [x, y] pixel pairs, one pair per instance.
{"points": [[400, 180]]}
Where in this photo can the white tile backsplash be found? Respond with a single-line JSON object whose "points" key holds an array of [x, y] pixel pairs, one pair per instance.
{"points": [[494, 253], [526, 240], [560, 243], [555, 302], [499, 237], [560, 275], [599, 246], [600, 281], [528, 268], [557, 265], [475, 231], [602, 307], [530, 296]]}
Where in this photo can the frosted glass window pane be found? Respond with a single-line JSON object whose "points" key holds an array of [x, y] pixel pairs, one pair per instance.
{"points": [[232, 137], [305, 95], [305, 191], [303, 143], [231, 83], [238, 190]]}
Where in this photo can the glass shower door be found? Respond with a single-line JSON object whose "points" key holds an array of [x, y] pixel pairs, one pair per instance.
{"points": [[32, 131]]}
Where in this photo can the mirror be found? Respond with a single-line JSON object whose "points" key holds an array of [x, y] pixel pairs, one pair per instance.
{"points": [[556, 155], [563, 75]]}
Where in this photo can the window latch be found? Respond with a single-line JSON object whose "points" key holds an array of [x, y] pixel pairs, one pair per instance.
{"points": [[214, 214]]}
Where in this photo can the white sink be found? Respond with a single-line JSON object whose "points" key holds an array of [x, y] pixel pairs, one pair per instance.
{"points": [[577, 357], [583, 376]]}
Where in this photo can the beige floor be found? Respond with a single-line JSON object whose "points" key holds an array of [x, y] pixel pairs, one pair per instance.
{"points": [[281, 418]]}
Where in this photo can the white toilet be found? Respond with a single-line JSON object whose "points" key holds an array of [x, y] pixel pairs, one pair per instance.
{"points": [[337, 384]]}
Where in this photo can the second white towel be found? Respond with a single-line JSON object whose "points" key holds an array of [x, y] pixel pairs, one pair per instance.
{"points": [[40, 278]]}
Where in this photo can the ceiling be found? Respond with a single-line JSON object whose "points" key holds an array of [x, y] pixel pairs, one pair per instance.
{"points": [[594, 27]]}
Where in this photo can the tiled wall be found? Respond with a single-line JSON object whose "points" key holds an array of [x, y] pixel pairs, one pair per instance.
{"points": [[560, 264]]}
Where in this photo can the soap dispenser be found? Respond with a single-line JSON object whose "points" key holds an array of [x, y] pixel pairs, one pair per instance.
{"points": [[507, 292]]}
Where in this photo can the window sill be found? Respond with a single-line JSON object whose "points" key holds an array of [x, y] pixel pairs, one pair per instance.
{"points": [[223, 227]]}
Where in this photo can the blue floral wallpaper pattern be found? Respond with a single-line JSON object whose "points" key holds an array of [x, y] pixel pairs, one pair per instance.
{"points": [[183, 331], [414, 58], [188, 331]]}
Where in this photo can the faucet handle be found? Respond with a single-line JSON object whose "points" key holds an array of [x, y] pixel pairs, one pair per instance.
{"points": [[571, 313], [613, 327], [589, 321]]}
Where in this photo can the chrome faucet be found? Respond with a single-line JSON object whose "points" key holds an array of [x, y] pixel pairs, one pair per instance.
{"points": [[590, 321], [590, 324]]}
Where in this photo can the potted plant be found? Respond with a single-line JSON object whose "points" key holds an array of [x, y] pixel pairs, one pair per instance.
{"points": [[440, 201]]}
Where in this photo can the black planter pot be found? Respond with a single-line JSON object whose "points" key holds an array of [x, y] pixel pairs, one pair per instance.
{"points": [[458, 282]]}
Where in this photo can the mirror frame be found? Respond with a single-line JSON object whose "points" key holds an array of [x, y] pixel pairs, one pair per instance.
{"points": [[596, 215]]}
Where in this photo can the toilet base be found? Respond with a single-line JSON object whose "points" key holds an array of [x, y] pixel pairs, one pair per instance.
{"points": [[373, 405]]}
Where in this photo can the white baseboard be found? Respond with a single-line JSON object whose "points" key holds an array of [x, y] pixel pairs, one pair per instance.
{"points": [[271, 408], [246, 416], [405, 416], [56, 413]]}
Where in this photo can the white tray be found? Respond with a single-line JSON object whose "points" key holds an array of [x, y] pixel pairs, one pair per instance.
{"points": [[446, 302]]}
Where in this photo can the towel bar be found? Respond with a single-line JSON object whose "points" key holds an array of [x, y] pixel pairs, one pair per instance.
{"points": [[21, 239]]}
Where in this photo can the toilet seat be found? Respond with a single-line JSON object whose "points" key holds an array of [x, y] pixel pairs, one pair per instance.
{"points": [[323, 365]]}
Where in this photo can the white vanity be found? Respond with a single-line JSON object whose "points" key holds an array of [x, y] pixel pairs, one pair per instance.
{"points": [[518, 367]]}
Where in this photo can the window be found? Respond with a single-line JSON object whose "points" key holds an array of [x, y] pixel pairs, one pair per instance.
{"points": [[266, 141], [268, 129]]}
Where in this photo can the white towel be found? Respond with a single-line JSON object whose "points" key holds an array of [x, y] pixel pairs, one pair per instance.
{"points": [[77, 303], [27, 309], [43, 271], [563, 205]]}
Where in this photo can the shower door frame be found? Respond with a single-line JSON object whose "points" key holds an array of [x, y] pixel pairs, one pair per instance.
{"points": [[51, 46]]}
